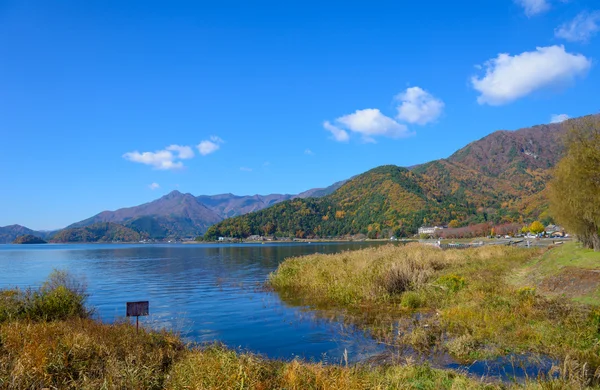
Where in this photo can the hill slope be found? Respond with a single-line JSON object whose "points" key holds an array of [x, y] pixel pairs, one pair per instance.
{"points": [[28, 239], [9, 233], [98, 232], [500, 178], [178, 215], [229, 205]]}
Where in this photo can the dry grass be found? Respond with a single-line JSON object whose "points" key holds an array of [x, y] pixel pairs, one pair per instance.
{"points": [[468, 307], [219, 368], [83, 354], [375, 274]]}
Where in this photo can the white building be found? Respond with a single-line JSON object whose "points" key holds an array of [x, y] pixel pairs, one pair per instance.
{"points": [[430, 229]]}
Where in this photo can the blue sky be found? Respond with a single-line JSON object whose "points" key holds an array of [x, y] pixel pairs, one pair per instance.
{"points": [[99, 100]]}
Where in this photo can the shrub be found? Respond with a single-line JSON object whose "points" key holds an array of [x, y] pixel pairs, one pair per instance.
{"points": [[12, 305], [408, 275], [452, 282], [60, 297], [463, 347], [412, 300]]}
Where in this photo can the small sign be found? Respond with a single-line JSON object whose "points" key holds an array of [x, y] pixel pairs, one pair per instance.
{"points": [[135, 309]]}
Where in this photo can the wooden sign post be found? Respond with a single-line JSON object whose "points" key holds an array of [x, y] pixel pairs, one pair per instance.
{"points": [[137, 309]]}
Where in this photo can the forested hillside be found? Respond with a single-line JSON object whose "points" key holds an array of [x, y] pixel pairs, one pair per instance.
{"points": [[500, 178], [98, 232], [9, 233]]}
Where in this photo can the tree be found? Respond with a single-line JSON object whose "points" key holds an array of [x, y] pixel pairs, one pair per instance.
{"points": [[536, 227], [575, 189]]}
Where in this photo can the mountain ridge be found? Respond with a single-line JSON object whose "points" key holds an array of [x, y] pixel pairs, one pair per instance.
{"points": [[10, 232], [174, 214], [499, 178]]}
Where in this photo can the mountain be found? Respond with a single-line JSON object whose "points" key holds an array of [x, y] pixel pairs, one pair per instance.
{"points": [[9, 233], [173, 215], [229, 205], [178, 215], [320, 192], [98, 232], [500, 178]]}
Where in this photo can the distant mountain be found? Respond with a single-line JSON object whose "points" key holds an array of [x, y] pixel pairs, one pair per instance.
{"points": [[98, 232], [320, 192], [178, 215], [499, 178], [9, 233], [173, 215], [229, 205]]}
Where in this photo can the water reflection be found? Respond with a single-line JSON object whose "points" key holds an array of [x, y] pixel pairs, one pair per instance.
{"points": [[207, 292]]}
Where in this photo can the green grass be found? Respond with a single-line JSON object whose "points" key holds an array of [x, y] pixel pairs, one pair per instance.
{"points": [[468, 306], [558, 263], [571, 254]]}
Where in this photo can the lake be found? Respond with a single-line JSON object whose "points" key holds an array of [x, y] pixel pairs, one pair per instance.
{"points": [[207, 292]]}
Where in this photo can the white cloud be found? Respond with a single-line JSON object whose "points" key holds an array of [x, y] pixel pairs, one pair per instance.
{"points": [[161, 159], [183, 152], [418, 106], [245, 169], [557, 118], [338, 134], [154, 186], [371, 122], [169, 157], [508, 78], [533, 7], [583, 27], [207, 147], [309, 152]]}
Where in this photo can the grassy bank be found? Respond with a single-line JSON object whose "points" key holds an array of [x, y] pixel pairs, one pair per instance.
{"points": [[468, 306], [84, 354], [48, 340], [569, 271]]}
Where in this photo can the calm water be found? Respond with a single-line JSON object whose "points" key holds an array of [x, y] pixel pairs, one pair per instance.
{"points": [[206, 292]]}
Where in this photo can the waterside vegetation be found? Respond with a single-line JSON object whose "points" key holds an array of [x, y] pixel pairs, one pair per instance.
{"points": [[49, 340], [467, 304], [575, 187]]}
